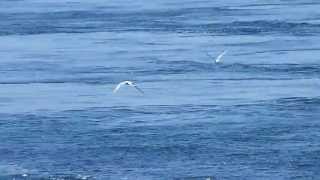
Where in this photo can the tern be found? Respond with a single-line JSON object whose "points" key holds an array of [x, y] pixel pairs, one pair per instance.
{"points": [[218, 58], [128, 83]]}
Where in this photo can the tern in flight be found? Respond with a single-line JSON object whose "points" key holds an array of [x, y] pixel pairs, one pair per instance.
{"points": [[218, 58], [128, 83]]}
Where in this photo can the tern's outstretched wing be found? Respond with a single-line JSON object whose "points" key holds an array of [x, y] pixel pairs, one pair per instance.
{"points": [[218, 59], [137, 88], [118, 87]]}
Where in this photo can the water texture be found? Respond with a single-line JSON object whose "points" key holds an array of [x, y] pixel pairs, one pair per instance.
{"points": [[254, 116]]}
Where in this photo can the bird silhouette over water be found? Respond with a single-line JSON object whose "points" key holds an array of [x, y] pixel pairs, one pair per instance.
{"points": [[219, 57], [128, 83]]}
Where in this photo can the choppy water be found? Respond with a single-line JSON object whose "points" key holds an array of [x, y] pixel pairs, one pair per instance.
{"points": [[256, 116]]}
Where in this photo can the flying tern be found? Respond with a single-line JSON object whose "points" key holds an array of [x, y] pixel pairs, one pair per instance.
{"points": [[218, 58], [128, 83]]}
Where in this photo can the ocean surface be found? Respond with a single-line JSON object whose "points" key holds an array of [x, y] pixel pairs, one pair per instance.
{"points": [[254, 116]]}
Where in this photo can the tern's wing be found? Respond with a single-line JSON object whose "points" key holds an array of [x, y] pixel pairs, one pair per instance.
{"points": [[118, 87], [137, 88], [220, 56]]}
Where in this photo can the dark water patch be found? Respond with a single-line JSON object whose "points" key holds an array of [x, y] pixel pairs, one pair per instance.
{"points": [[49, 177], [154, 21], [298, 103], [39, 72], [89, 21], [280, 51], [216, 137], [179, 67], [279, 4], [196, 178], [292, 69], [292, 104], [263, 27], [288, 104]]}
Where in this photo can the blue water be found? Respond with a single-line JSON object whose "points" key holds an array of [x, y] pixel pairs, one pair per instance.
{"points": [[255, 116]]}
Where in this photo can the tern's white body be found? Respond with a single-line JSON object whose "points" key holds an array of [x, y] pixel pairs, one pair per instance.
{"points": [[128, 83], [218, 58]]}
